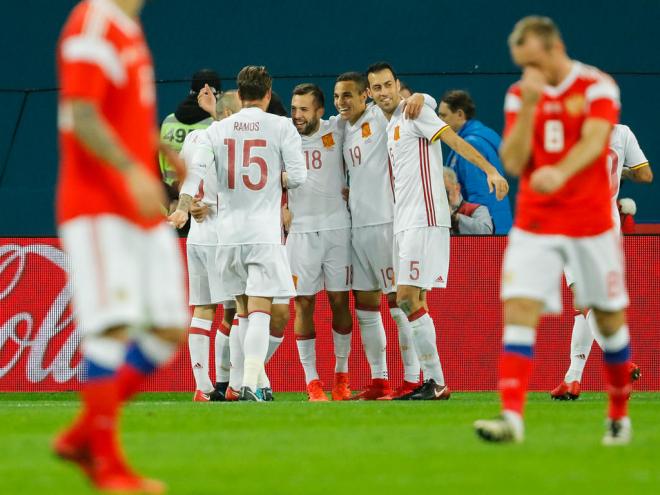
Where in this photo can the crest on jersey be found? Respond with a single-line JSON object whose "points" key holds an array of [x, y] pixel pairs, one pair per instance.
{"points": [[396, 133], [575, 104], [328, 140], [366, 130]]}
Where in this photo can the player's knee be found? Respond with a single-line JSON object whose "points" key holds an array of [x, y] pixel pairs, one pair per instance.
{"points": [[338, 302], [524, 312], [609, 322]]}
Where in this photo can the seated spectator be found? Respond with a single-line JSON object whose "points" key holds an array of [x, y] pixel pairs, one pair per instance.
{"points": [[457, 109], [466, 218]]}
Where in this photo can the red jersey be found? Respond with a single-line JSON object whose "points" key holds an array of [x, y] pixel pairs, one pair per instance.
{"points": [[582, 207], [102, 58]]}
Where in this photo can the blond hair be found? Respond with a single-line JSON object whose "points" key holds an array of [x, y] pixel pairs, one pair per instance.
{"points": [[540, 26]]}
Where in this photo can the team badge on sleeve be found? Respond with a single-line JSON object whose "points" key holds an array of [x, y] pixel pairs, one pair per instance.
{"points": [[366, 130], [328, 140]]}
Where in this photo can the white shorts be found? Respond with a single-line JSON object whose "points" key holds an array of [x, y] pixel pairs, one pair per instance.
{"points": [[421, 257], [124, 275], [255, 270], [320, 259], [203, 276], [533, 267], [372, 258]]}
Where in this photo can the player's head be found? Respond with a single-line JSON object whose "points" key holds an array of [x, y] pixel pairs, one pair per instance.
{"points": [[307, 107], [384, 87], [453, 188], [205, 76], [228, 103], [276, 106], [536, 42], [405, 90], [254, 86], [350, 95], [456, 107]]}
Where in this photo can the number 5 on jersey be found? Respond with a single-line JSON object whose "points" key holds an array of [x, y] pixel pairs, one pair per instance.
{"points": [[248, 160]]}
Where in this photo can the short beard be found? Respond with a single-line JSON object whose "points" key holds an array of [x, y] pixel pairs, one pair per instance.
{"points": [[310, 128]]}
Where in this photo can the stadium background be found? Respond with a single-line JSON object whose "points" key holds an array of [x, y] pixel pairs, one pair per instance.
{"points": [[435, 45]]}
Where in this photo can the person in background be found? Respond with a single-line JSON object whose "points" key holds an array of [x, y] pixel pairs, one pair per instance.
{"points": [[466, 218], [458, 110]]}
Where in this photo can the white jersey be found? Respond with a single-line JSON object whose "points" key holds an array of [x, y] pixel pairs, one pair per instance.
{"points": [[624, 152], [419, 187], [201, 233], [250, 149], [318, 204], [371, 198]]}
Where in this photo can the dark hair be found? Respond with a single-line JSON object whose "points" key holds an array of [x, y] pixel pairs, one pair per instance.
{"points": [[205, 76], [253, 82], [403, 86], [357, 77], [379, 66], [457, 99], [276, 107], [311, 89]]}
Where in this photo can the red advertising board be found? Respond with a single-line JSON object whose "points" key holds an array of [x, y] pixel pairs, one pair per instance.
{"points": [[39, 339]]}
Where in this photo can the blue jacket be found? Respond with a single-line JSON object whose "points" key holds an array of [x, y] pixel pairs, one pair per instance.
{"points": [[473, 181]]}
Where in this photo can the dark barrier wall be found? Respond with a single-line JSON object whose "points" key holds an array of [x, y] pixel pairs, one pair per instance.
{"points": [[38, 340], [435, 45]]}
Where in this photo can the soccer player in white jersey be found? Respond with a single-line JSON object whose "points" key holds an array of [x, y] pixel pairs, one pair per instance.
{"points": [[421, 214], [319, 240], [249, 151], [626, 160], [371, 203]]}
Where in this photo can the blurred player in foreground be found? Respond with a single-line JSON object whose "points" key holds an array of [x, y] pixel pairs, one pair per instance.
{"points": [[559, 118], [127, 273], [625, 159]]}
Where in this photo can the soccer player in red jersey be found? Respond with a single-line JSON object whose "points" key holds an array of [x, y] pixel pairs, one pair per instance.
{"points": [[127, 276], [559, 117]]}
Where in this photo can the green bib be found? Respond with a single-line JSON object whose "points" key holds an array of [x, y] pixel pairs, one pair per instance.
{"points": [[174, 132]]}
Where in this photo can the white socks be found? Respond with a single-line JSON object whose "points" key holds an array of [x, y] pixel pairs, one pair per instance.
{"points": [[581, 341], [426, 347], [406, 346], [255, 347], [307, 353], [198, 345], [273, 344], [342, 345], [222, 355], [374, 341], [236, 353]]}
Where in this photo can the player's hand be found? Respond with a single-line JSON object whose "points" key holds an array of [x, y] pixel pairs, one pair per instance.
{"points": [[178, 219], [199, 211], [547, 179], [498, 184], [173, 159], [147, 191], [531, 85], [345, 192], [412, 106], [287, 217], [207, 101], [285, 180]]}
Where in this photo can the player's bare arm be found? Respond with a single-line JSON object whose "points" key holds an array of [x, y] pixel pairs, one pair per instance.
{"points": [[92, 130], [180, 216], [516, 147], [496, 182], [595, 135], [641, 173], [413, 105]]}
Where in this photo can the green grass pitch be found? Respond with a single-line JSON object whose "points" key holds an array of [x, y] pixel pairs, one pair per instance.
{"points": [[294, 447]]}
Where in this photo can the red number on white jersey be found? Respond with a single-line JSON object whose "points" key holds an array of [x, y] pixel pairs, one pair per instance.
{"points": [[356, 155], [247, 161], [316, 162]]}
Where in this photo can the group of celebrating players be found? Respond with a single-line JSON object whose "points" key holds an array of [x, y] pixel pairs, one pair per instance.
{"points": [[368, 213]]}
